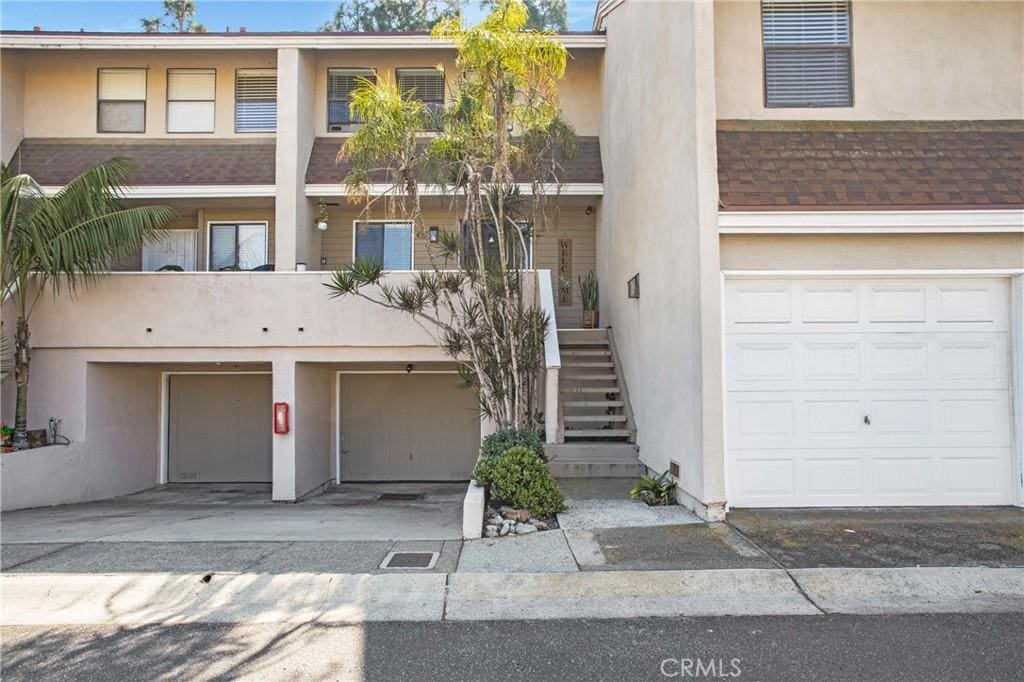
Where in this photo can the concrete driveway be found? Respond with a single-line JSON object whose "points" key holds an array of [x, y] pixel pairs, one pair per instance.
{"points": [[233, 528], [886, 538]]}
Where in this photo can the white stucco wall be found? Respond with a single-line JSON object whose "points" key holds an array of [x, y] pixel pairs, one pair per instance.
{"points": [[12, 103], [314, 398], [659, 218], [912, 59]]}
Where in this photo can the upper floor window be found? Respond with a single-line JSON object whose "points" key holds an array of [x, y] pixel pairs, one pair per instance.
{"points": [[255, 100], [388, 243], [425, 85], [121, 101], [191, 94], [807, 53], [237, 246], [340, 84]]}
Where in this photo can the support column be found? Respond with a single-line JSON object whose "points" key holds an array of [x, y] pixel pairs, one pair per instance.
{"points": [[283, 489], [296, 240]]}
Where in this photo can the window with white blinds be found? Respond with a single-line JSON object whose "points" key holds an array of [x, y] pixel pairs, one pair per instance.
{"points": [[191, 94], [386, 243], [121, 101], [238, 246], [340, 84], [425, 85], [255, 100], [807, 53]]}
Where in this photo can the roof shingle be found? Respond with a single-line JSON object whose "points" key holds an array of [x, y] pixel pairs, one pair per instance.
{"points": [[324, 169], [893, 166], [158, 162]]}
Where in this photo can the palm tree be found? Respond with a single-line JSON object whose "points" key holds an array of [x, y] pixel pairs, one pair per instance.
{"points": [[62, 242]]}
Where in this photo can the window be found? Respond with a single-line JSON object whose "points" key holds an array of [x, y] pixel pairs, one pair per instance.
{"points": [[238, 246], [425, 85], [255, 100], [190, 100], [340, 84], [175, 249], [807, 53], [386, 242], [121, 101], [517, 257]]}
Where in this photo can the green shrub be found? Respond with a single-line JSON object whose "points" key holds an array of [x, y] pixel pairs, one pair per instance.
{"points": [[654, 490], [521, 479], [498, 443], [501, 440]]}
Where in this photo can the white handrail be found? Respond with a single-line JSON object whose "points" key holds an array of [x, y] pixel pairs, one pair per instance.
{"points": [[552, 361]]}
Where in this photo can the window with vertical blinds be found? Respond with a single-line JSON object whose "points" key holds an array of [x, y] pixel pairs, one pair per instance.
{"points": [[807, 53], [255, 100], [238, 246], [121, 101], [340, 84], [386, 243], [190, 100]]}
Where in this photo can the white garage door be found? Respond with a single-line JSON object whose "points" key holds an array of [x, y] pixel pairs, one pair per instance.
{"points": [[868, 392]]}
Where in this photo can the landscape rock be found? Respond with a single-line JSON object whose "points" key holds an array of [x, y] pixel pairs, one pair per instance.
{"points": [[504, 530], [524, 528], [491, 532]]}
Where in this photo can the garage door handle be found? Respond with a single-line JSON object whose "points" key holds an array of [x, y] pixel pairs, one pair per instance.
{"points": [[867, 420]]}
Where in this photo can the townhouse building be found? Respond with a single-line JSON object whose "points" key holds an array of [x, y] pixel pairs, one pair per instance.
{"points": [[806, 218]]}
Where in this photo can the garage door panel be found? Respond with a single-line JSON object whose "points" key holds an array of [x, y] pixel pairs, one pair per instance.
{"points": [[859, 392]]}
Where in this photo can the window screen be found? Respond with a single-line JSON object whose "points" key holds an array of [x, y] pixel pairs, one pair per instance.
{"points": [[190, 100], [255, 100], [807, 53], [514, 244], [340, 84], [241, 246], [121, 101], [425, 85], [387, 243]]}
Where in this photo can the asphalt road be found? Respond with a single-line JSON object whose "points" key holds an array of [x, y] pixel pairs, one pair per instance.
{"points": [[912, 647]]}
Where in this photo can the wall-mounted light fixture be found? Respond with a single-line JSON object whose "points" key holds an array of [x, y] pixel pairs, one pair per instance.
{"points": [[633, 286], [590, 210], [408, 369], [433, 234]]}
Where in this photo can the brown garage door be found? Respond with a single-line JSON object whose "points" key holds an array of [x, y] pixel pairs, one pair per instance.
{"points": [[219, 428], [407, 427]]}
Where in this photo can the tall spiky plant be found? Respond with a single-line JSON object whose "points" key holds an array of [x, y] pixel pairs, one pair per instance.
{"points": [[61, 243], [480, 312]]}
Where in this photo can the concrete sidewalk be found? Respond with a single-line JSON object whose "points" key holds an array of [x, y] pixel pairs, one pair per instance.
{"points": [[153, 598]]}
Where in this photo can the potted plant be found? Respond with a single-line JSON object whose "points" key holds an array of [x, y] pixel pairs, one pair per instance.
{"points": [[588, 297], [6, 436], [321, 216]]}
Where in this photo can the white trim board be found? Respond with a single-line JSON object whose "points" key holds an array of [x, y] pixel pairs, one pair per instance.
{"points": [[871, 222], [566, 189], [849, 274], [252, 41]]}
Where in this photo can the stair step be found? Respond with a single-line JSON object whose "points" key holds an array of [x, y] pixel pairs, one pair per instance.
{"points": [[598, 433], [594, 403], [594, 418], [586, 365], [585, 352], [591, 377], [583, 336], [590, 389]]}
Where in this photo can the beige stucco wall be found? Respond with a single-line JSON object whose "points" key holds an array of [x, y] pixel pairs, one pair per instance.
{"points": [[60, 89], [579, 91], [570, 222], [864, 252], [12, 102], [658, 142], [912, 59]]}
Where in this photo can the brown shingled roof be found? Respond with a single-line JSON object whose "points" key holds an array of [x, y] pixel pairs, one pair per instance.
{"points": [[158, 162], [812, 165], [323, 168]]}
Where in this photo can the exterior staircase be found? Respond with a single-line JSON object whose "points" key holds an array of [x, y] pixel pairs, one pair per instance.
{"points": [[600, 440]]}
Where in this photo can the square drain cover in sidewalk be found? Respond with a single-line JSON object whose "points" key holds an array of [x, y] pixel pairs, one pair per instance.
{"points": [[424, 560]]}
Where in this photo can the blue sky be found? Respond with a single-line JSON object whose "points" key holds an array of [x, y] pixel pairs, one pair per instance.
{"points": [[255, 15]]}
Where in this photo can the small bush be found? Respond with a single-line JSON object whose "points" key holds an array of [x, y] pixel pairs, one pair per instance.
{"points": [[501, 440], [521, 479], [498, 443], [656, 491]]}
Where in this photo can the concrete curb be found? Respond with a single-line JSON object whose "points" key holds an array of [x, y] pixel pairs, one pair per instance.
{"points": [[159, 598]]}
